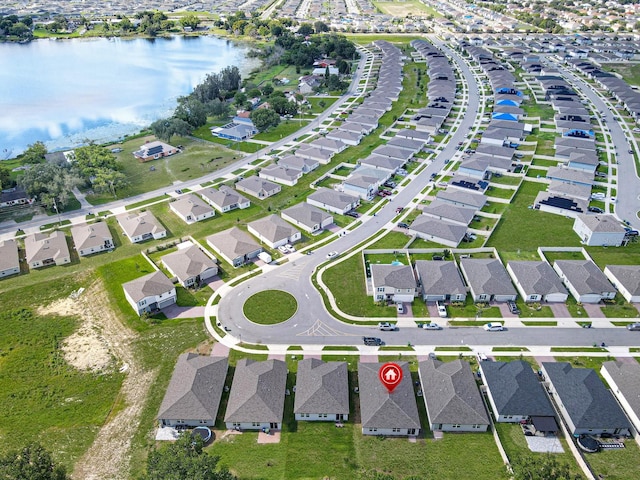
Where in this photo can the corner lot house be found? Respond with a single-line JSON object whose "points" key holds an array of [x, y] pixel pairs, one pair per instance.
{"points": [[307, 217], [440, 281], [191, 209], [624, 380], [150, 293], [586, 405], [452, 398], [258, 187], [9, 260], [487, 279], [384, 413], [235, 246], [257, 395], [154, 150], [599, 230], [626, 278], [190, 265], [274, 231], [92, 238], [333, 201], [585, 280], [514, 391], [224, 199], [194, 392], [393, 282], [322, 391], [44, 249], [141, 226], [536, 281]]}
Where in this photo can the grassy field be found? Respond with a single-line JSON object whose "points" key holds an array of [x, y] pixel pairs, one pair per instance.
{"points": [[630, 72], [270, 307], [402, 9]]}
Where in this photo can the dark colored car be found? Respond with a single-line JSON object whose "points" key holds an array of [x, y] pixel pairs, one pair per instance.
{"points": [[403, 225], [372, 341], [513, 308], [353, 214], [595, 209]]}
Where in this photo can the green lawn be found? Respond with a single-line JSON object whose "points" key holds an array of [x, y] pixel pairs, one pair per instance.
{"points": [[616, 463], [270, 307], [284, 129], [630, 72]]}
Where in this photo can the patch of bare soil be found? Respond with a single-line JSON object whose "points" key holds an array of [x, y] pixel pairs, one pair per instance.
{"points": [[101, 339]]}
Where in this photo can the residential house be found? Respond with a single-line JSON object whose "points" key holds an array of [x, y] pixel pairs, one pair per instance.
{"points": [[488, 280], [224, 199], [345, 137], [384, 413], [364, 181], [394, 283], [624, 380], [537, 281], [333, 201], [280, 174], [322, 391], [585, 280], [92, 238], [295, 162], [324, 143], [599, 230], [626, 278], [440, 281], [439, 231], [9, 259], [462, 199], [450, 212], [452, 397], [382, 162], [514, 392], [258, 187], [191, 209], [141, 226], [190, 265], [44, 249], [317, 154], [585, 403], [154, 150], [570, 175], [304, 215], [256, 400], [150, 293], [274, 231], [14, 196], [238, 130], [235, 246], [194, 392]]}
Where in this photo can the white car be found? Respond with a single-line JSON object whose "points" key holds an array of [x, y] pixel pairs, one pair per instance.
{"points": [[333, 254], [442, 310], [283, 249], [290, 248], [386, 327], [598, 195], [431, 326], [493, 327]]}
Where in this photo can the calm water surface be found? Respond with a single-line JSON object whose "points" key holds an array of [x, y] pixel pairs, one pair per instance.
{"points": [[66, 91]]}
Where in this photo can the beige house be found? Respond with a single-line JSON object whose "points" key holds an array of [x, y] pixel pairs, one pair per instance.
{"points": [[191, 209], [141, 226], [190, 265], [44, 249], [9, 259], [92, 238], [150, 293]]}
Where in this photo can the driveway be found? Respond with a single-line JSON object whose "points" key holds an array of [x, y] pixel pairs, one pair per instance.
{"points": [[594, 310], [559, 310], [174, 311], [504, 310]]}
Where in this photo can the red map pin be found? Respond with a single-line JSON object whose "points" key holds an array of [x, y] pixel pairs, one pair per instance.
{"points": [[390, 374]]}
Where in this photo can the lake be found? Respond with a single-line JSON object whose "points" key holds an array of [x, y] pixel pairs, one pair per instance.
{"points": [[64, 92]]}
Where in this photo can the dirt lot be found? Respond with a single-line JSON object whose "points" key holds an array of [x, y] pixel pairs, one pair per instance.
{"points": [[103, 342]]}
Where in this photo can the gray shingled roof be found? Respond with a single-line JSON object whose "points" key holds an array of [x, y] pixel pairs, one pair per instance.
{"points": [[587, 401], [43, 246], [149, 285], [9, 255], [257, 392], [381, 409], [585, 276], [451, 393], [139, 223], [628, 276], [233, 243], [443, 229], [92, 235], [515, 389], [440, 278], [332, 198], [188, 262], [223, 197], [602, 223], [487, 276], [322, 387], [256, 185], [306, 214], [395, 276], [626, 376], [195, 388], [273, 228], [448, 211], [537, 277], [191, 205], [474, 200]]}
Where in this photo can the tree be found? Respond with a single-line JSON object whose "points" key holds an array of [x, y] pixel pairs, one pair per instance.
{"points": [[184, 459], [111, 181], [166, 128], [5, 177], [50, 184], [34, 153], [92, 158], [218, 108], [264, 118], [546, 467], [191, 20], [282, 106], [305, 29], [192, 111], [240, 99], [32, 462], [267, 89], [320, 26]]}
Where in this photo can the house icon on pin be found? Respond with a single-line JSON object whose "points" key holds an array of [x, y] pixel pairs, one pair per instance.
{"points": [[390, 375]]}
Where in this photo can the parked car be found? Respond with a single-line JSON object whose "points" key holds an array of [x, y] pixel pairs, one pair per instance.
{"points": [[403, 225], [513, 308], [283, 249], [482, 357], [493, 327], [290, 248], [353, 214], [387, 327], [431, 326], [399, 307], [442, 310], [634, 327], [399, 209], [595, 209], [372, 341], [333, 254], [598, 196]]}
